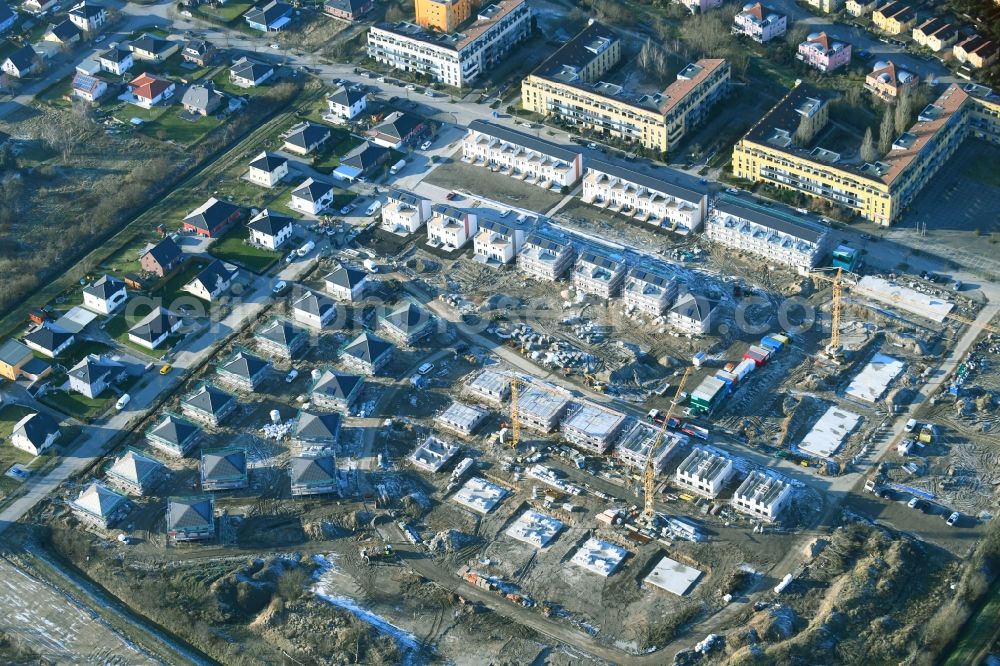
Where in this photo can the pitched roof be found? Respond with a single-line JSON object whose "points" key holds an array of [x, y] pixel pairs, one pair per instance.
{"points": [[165, 252], [336, 385], [64, 30], [364, 157], [312, 189], [149, 44], [174, 429], [367, 348], [246, 68], [306, 134], [92, 368], [399, 124], [268, 14], [154, 325], [198, 47], [36, 427], [317, 428], [202, 97], [270, 223], [693, 306], [99, 500], [408, 317], [215, 276], [86, 82], [48, 338], [662, 179], [104, 287], [313, 470], [222, 464], [244, 365], [267, 162], [346, 277], [314, 303], [280, 331], [148, 86], [209, 399], [771, 215], [350, 6], [135, 467], [23, 57], [116, 54], [5, 12], [184, 513], [346, 95], [211, 214], [12, 352], [86, 10]]}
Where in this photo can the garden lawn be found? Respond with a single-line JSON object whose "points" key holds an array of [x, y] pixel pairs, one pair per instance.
{"points": [[77, 404], [232, 247]]}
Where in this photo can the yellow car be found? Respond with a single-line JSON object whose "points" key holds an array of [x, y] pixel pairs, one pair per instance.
{"points": [[166, 369]]}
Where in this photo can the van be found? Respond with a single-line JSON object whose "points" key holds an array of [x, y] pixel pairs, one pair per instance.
{"points": [[910, 425], [122, 401], [373, 208], [371, 266]]}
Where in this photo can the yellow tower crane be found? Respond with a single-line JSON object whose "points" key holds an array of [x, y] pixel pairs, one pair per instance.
{"points": [[515, 421], [649, 475]]}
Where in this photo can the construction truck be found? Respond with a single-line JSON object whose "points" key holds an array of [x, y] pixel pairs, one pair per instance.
{"points": [[370, 554]]}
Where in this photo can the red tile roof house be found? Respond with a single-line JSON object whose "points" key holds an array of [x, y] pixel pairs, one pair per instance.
{"points": [[212, 218], [147, 90]]}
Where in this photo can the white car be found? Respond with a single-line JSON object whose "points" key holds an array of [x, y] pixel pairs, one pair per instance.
{"points": [[274, 46], [290, 377], [99, 39], [411, 87], [429, 93], [426, 144], [279, 286], [953, 518], [425, 368], [122, 401]]}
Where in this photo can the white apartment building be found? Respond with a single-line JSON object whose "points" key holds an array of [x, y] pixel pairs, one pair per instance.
{"points": [[704, 471], [404, 213], [497, 243], [648, 292], [522, 156], [598, 275], [773, 232], [691, 314], [458, 58], [450, 228], [763, 495], [670, 204], [759, 22], [546, 258]]}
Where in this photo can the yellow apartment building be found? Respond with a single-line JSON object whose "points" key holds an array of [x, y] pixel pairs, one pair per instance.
{"points": [[444, 15]]}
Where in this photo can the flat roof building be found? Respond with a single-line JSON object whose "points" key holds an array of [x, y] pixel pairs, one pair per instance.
{"points": [[672, 576], [541, 409], [490, 386], [432, 454], [592, 427], [704, 471], [535, 529], [633, 448], [762, 494], [599, 557], [479, 495], [461, 418]]}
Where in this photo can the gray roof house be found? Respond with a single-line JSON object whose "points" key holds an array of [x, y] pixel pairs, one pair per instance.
{"points": [[49, 341], [407, 323], [306, 138], [224, 469], [335, 390], [94, 374], [247, 73], [173, 434], [367, 353], [208, 404], [345, 283], [202, 99], [313, 476], [190, 518], [99, 506], [243, 371], [35, 433], [154, 329], [134, 472], [317, 434], [313, 309], [20, 61], [281, 338], [213, 280]]}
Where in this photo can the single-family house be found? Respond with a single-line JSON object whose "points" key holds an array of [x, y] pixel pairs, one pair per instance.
{"points": [[208, 404], [7, 17], [347, 102], [162, 257], [173, 435], [316, 434], [38, 6], [116, 60], [62, 33], [212, 218], [199, 51], [243, 371], [335, 390], [202, 99], [279, 337], [224, 469], [150, 47], [267, 169], [16, 361], [691, 314], [94, 374], [49, 341], [99, 506], [148, 90], [306, 138], [247, 73], [270, 230], [269, 17], [89, 88], [404, 213], [213, 281], [346, 284], [367, 354], [362, 161], [312, 197], [190, 518], [19, 63], [88, 16], [35, 433], [105, 295], [134, 472], [348, 10], [407, 323], [397, 129], [154, 329], [313, 309], [313, 475]]}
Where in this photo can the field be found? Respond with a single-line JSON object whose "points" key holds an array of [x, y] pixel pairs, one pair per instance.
{"points": [[233, 247]]}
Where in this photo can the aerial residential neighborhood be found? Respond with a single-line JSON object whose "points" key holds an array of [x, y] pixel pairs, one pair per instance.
{"points": [[500, 332]]}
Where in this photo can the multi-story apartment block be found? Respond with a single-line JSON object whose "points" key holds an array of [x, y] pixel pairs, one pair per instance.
{"points": [[648, 292], [859, 8], [825, 6], [887, 81], [522, 156], [497, 243], [598, 274], [935, 34], [759, 23], [823, 53], [453, 58], [546, 258], [775, 233], [567, 86], [444, 15], [450, 228], [705, 471], [404, 213], [665, 200], [877, 191], [894, 18], [976, 51], [762, 494]]}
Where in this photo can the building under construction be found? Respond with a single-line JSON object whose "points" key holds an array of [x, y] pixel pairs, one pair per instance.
{"points": [[541, 410], [705, 471], [762, 494], [633, 449], [592, 427], [490, 386]]}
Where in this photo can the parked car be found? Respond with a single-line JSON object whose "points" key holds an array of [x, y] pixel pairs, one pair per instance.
{"points": [[953, 518], [910, 425], [451, 196], [292, 374], [279, 287], [373, 207], [914, 503], [165, 370], [426, 144], [425, 368], [347, 209], [122, 401], [411, 87], [275, 46]]}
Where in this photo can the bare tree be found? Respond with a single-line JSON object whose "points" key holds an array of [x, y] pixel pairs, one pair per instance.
{"points": [[67, 134], [886, 131], [393, 13], [904, 107], [805, 132], [39, 65], [868, 152], [652, 60]]}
